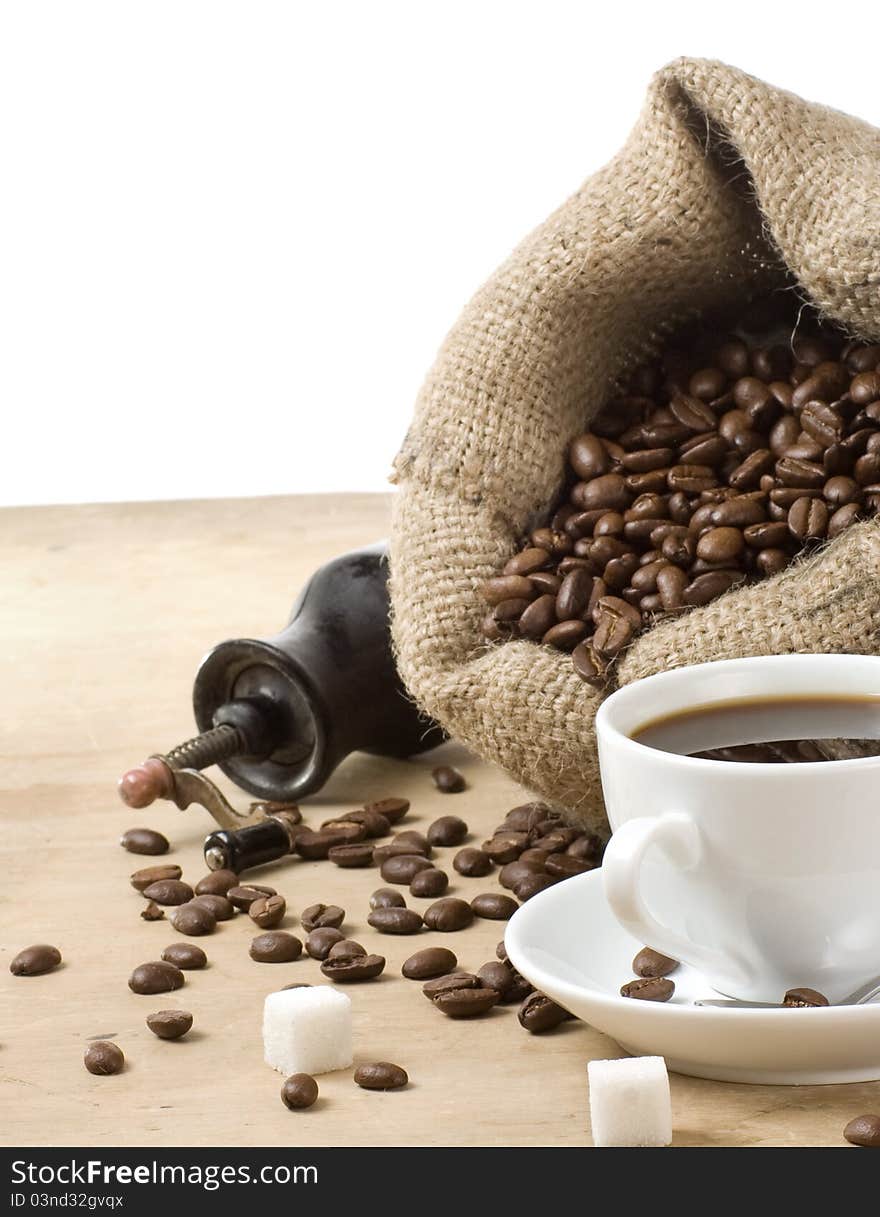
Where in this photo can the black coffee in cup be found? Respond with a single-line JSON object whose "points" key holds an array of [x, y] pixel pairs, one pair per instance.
{"points": [[772, 730]]}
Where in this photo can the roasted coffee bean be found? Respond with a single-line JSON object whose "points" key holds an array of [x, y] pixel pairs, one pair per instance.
{"points": [[102, 1058], [193, 919], [707, 587], [588, 665], [314, 846], [865, 388], [724, 545], [222, 908], [498, 976], [431, 962], [531, 885], [764, 536], [395, 920], [299, 1092], [527, 561], [563, 866], [649, 988], [386, 898], [144, 841], [168, 891], [648, 963], [152, 912], [156, 977], [608, 492], [397, 849], [796, 998], [505, 847], [538, 617], [448, 915], [346, 949], [35, 960], [566, 635], [320, 941], [244, 896], [472, 862], [509, 611], [553, 540], [772, 561], [418, 841], [515, 872], [808, 519], [392, 809], [448, 780], [841, 519], [507, 587], [268, 912], [185, 955], [864, 1130], [450, 983], [217, 883], [588, 457], [170, 1024], [586, 847], [539, 1014], [574, 592], [494, 906], [612, 634], [381, 1075], [431, 882], [320, 915], [465, 1003], [142, 879], [276, 946], [350, 969], [349, 856], [402, 868], [693, 414], [375, 824]]}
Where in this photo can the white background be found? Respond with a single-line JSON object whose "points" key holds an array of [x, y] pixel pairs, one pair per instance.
{"points": [[233, 234]]}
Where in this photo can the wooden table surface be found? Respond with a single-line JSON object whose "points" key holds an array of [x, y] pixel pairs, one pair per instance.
{"points": [[105, 613]]}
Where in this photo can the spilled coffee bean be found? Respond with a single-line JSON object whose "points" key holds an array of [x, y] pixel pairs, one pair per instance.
{"points": [[217, 883], [447, 830], [402, 868], [244, 895], [386, 898], [804, 998], [299, 1091], [168, 892], [185, 955], [156, 977], [222, 909], [346, 949], [431, 962], [142, 879], [648, 963], [35, 960], [193, 919], [864, 1130], [465, 1002], [276, 946], [494, 906], [318, 916], [392, 809], [170, 1024], [395, 920], [353, 968], [539, 1014], [144, 841], [448, 780], [448, 915], [381, 1075], [320, 941], [649, 988], [103, 1058], [268, 911], [472, 862], [430, 882]]}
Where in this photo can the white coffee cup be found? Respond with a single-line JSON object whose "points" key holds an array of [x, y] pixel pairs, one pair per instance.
{"points": [[765, 877]]}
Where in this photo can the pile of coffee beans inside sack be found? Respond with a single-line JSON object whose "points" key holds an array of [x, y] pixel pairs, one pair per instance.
{"points": [[740, 448]]}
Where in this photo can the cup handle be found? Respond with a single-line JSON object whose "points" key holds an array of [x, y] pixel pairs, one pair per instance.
{"points": [[676, 834]]}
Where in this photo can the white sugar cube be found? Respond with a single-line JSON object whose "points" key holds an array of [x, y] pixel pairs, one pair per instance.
{"points": [[629, 1101], [307, 1030]]}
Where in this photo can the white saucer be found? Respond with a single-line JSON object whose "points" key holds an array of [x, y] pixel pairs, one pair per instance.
{"points": [[567, 943]]}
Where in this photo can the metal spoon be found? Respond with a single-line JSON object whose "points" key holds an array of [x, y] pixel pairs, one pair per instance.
{"points": [[860, 997]]}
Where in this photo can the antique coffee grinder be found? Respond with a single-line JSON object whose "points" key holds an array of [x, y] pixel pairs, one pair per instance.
{"points": [[279, 714]]}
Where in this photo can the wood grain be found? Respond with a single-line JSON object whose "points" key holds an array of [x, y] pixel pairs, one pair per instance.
{"points": [[105, 613]]}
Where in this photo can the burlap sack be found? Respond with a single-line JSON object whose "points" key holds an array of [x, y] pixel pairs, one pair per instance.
{"points": [[725, 187]]}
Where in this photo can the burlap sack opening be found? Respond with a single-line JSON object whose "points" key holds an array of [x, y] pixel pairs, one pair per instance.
{"points": [[725, 187]]}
